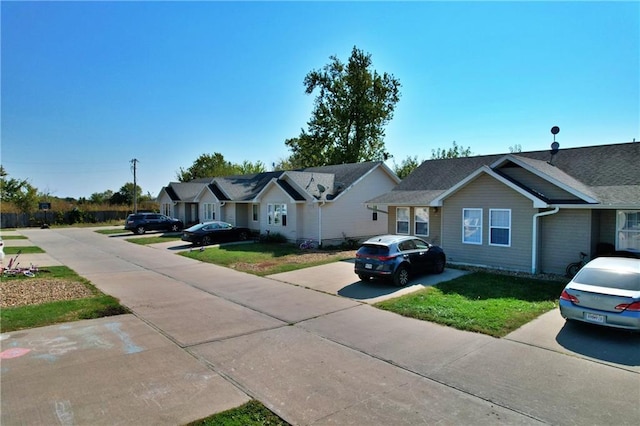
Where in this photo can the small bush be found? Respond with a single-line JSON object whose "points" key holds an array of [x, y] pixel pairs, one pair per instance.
{"points": [[273, 238]]}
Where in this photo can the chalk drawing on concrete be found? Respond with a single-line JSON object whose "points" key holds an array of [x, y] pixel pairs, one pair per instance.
{"points": [[129, 346], [14, 353]]}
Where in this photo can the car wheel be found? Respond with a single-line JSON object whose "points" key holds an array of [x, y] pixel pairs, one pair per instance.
{"points": [[206, 240], [363, 277], [243, 236], [140, 230], [175, 227], [438, 265], [401, 277]]}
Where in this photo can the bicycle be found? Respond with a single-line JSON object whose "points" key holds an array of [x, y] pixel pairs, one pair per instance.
{"points": [[307, 245], [574, 267]]}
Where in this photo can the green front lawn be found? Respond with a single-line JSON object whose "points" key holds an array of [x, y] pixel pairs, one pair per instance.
{"points": [[13, 237], [264, 259], [483, 302]]}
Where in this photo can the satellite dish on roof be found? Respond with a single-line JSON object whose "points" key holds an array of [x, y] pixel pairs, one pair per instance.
{"points": [[555, 130], [555, 147]]}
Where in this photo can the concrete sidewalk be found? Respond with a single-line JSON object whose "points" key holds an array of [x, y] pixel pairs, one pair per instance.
{"points": [[204, 338]]}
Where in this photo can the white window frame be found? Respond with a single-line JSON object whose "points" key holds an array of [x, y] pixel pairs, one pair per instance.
{"points": [[627, 232], [416, 221], [277, 214], [255, 211], [208, 212], [492, 227], [467, 226], [166, 209], [398, 221]]}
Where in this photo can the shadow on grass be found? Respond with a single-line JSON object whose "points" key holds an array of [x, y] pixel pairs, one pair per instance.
{"points": [[484, 286]]}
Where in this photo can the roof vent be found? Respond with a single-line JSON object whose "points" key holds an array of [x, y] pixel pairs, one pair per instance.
{"points": [[555, 146]]}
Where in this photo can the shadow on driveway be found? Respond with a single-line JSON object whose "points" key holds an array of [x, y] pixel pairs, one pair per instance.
{"points": [[602, 343]]}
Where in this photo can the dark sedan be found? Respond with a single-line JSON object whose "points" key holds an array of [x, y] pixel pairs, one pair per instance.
{"points": [[214, 232]]}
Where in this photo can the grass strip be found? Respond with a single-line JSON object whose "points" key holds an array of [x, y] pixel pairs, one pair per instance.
{"points": [[164, 238], [253, 413], [23, 250]]}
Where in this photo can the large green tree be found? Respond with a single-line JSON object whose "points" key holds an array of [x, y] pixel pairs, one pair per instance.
{"points": [[353, 105], [212, 165], [18, 192]]}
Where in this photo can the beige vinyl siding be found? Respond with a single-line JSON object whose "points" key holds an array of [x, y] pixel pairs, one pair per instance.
{"points": [[562, 237], [274, 195], [487, 193], [348, 214]]}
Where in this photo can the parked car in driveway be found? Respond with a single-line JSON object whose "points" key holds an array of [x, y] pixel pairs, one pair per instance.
{"points": [[214, 232], [606, 291], [140, 223], [398, 258]]}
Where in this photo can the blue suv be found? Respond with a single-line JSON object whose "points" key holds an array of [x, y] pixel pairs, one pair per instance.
{"points": [[398, 258]]}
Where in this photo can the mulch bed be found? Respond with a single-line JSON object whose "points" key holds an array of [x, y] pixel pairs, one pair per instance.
{"points": [[38, 290]]}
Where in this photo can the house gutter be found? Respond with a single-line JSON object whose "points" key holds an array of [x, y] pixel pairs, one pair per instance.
{"points": [[534, 239]]}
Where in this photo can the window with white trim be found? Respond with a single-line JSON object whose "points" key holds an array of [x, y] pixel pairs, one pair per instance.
{"points": [[422, 221], [165, 209], [472, 226], [208, 211], [255, 209], [277, 214], [402, 220], [628, 230], [500, 227]]}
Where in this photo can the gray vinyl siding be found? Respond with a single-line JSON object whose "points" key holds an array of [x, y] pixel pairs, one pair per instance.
{"points": [[434, 223], [562, 237], [487, 193]]}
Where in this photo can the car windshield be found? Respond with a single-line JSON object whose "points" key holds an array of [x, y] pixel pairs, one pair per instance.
{"points": [[374, 250], [609, 279]]}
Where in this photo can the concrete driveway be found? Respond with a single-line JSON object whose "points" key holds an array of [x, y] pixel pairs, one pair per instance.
{"points": [[338, 278]]}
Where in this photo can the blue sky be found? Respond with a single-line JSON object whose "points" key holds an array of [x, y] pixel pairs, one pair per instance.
{"points": [[89, 86]]}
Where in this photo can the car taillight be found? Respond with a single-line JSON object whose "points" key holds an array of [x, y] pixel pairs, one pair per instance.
{"points": [[635, 306], [566, 296]]}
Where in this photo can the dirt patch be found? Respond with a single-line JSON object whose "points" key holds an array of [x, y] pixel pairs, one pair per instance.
{"points": [[34, 291]]}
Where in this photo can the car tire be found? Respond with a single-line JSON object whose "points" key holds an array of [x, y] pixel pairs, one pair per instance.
{"points": [[206, 240], [364, 277], [175, 227], [140, 230], [401, 276], [438, 265], [243, 236]]}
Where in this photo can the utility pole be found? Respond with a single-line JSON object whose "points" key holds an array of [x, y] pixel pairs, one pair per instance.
{"points": [[135, 186]]}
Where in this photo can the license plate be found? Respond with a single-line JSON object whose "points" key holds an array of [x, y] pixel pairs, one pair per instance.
{"points": [[594, 317], [368, 266]]}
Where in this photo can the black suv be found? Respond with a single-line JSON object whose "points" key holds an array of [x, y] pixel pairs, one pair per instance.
{"points": [[142, 222]]}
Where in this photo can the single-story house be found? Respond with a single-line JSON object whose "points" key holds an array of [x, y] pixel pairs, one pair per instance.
{"points": [[526, 211], [324, 204]]}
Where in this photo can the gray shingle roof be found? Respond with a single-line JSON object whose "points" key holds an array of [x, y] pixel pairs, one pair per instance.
{"points": [[609, 173]]}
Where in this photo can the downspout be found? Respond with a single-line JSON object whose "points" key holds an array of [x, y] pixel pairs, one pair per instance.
{"points": [[534, 238], [320, 222]]}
